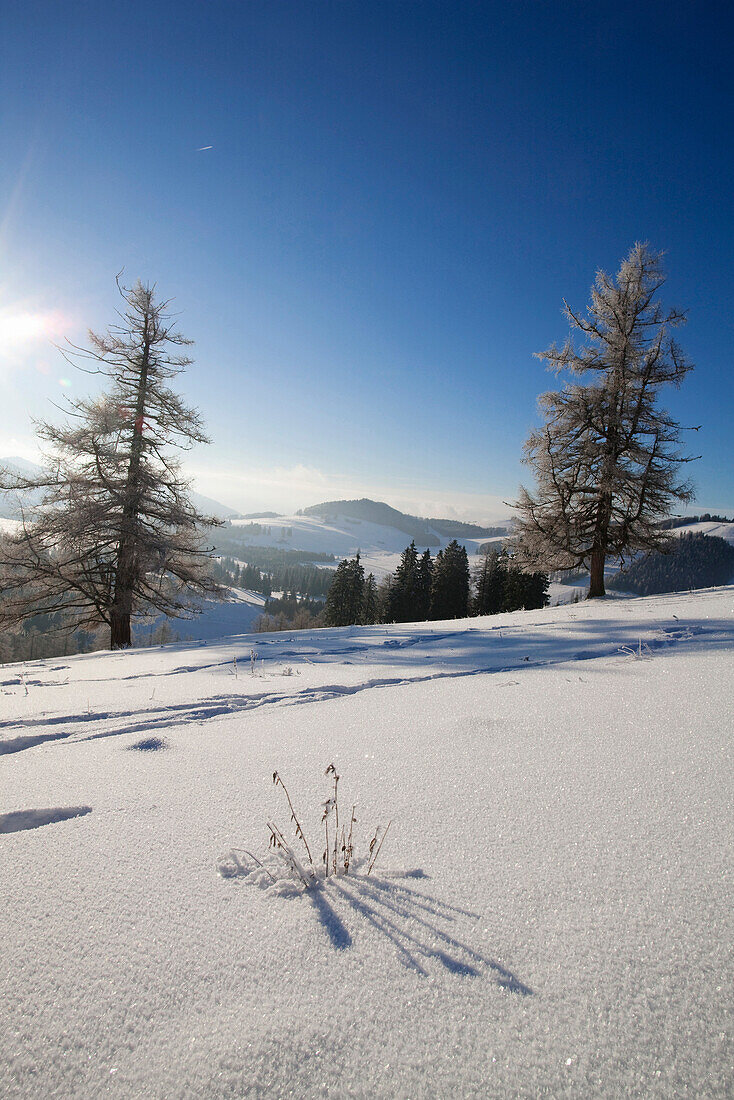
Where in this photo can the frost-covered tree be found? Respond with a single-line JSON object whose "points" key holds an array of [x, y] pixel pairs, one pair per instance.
{"points": [[607, 458], [115, 534]]}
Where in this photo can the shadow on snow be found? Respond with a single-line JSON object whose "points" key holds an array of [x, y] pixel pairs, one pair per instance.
{"points": [[466, 652], [411, 921]]}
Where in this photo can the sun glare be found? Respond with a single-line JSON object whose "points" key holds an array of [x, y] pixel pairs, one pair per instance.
{"points": [[21, 328]]}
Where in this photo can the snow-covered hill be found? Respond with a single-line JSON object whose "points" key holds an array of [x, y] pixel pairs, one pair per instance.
{"points": [[550, 914], [708, 527], [380, 547]]}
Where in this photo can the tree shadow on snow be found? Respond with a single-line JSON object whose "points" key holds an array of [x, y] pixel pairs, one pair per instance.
{"points": [[330, 920], [463, 653]]}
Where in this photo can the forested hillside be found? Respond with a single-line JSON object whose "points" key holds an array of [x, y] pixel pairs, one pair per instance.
{"points": [[694, 561]]}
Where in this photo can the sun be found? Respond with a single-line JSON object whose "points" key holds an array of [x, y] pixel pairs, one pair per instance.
{"points": [[18, 329]]}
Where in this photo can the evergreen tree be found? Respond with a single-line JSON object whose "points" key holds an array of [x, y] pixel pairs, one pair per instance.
{"points": [[450, 591], [345, 596], [424, 587], [384, 598], [607, 458], [490, 584], [369, 601], [515, 587], [115, 534], [404, 593]]}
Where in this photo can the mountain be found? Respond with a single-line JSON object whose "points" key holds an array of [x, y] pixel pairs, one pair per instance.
{"points": [[342, 528], [375, 511], [212, 507], [424, 531], [13, 503]]}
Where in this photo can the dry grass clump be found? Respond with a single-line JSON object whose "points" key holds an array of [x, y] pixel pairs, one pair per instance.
{"points": [[338, 854]]}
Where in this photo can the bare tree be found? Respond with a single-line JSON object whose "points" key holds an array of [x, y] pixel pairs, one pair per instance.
{"points": [[115, 534], [607, 458]]}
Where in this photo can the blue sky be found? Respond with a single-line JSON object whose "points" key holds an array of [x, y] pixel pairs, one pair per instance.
{"points": [[397, 198]]}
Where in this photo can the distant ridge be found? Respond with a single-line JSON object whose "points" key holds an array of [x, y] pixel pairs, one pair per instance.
{"points": [[376, 511], [424, 531], [457, 529]]}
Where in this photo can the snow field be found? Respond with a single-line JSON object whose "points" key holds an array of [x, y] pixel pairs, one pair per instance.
{"points": [[551, 913]]}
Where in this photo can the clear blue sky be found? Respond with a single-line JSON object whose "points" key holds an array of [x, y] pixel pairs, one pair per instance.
{"points": [[397, 198]]}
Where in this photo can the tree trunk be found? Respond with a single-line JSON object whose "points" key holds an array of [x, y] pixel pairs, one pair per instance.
{"points": [[596, 578], [126, 568], [120, 634], [599, 546]]}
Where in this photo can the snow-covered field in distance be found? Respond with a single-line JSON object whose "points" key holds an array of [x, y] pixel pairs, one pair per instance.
{"points": [[550, 915], [379, 547]]}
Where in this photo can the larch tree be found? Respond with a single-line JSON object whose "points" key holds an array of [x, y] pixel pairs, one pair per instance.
{"points": [[607, 460], [115, 535]]}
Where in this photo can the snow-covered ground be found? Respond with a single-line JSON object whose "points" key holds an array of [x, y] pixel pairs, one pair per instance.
{"points": [[576, 587], [550, 914], [379, 547], [236, 615]]}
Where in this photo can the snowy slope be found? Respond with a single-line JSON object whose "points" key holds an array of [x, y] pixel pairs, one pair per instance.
{"points": [[236, 615], [380, 547], [550, 916], [709, 527]]}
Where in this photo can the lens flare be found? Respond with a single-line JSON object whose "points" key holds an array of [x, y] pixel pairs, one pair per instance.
{"points": [[20, 329]]}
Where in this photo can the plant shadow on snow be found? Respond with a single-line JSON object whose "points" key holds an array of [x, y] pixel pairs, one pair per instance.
{"points": [[412, 921]]}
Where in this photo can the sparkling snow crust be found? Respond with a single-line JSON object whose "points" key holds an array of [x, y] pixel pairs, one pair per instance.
{"points": [[551, 914]]}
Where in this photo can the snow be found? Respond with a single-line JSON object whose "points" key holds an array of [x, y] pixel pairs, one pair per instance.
{"points": [[707, 527], [550, 914], [380, 547], [236, 615]]}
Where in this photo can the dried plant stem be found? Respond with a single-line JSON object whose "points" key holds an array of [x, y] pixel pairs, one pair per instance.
{"points": [[277, 840], [348, 850], [299, 831], [382, 841], [257, 861], [336, 819]]}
